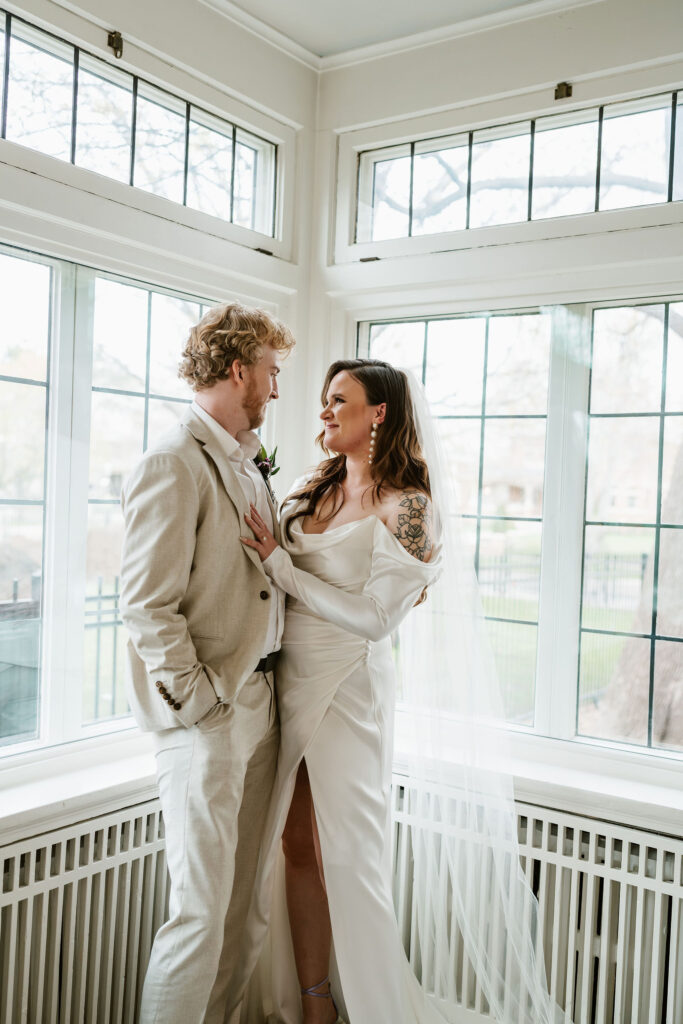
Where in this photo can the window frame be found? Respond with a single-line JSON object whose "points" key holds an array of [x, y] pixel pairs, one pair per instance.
{"points": [[191, 92], [635, 85], [553, 740]]}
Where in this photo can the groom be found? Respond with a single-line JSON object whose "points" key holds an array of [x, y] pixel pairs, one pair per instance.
{"points": [[205, 624]]}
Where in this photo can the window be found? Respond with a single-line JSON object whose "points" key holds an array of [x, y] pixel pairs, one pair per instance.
{"points": [[59, 100], [81, 397], [610, 157], [498, 387]]}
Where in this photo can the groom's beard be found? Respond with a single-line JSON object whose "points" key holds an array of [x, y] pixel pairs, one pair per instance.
{"points": [[254, 407]]}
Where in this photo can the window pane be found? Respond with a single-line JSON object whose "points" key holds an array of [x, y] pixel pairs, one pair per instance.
{"points": [[670, 584], [617, 579], [24, 286], [614, 687], [517, 366], [510, 568], [455, 366], [622, 470], [116, 432], [160, 143], [171, 322], [667, 723], [500, 176], [674, 357], [399, 344], [440, 185], [209, 166], [514, 650], [40, 92], [678, 151], [104, 119], [245, 180], [390, 198], [672, 471], [103, 682], [120, 336], [22, 440], [21, 557], [634, 163], [514, 454], [565, 165], [460, 440], [627, 359], [163, 416]]}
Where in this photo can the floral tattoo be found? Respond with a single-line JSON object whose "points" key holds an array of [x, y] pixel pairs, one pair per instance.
{"points": [[414, 524]]}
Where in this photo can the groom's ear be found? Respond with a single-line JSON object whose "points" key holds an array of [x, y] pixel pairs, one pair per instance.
{"points": [[237, 371]]}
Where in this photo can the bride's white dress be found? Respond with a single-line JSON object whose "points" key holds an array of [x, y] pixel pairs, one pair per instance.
{"points": [[349, 588]]}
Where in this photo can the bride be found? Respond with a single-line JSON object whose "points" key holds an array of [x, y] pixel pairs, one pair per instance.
{"points": [[363, 542]]}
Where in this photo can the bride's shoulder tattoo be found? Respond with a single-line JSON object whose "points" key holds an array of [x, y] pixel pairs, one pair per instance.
{"points": [[413, 525]]}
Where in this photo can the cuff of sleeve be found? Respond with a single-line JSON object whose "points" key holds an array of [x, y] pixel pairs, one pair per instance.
{"points": [[275, 563], [201, 699]]}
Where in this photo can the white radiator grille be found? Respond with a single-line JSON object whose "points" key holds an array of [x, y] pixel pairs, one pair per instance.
{"points": [[79, 908], [609, 911]]}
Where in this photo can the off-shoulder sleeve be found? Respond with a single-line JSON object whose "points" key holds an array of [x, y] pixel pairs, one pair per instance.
{"points": [[396, 581]]}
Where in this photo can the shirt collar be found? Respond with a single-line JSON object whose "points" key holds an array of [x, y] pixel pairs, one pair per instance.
{"points": [[244, 446]]}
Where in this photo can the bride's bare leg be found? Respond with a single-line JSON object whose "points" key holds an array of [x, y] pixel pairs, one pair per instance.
{"points": [[309, 916]]}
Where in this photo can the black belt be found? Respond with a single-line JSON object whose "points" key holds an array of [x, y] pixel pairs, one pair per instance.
{"points": [[268, 663]]}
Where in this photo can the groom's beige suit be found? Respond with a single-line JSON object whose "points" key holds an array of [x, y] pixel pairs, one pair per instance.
{"points": [[199, 609]]}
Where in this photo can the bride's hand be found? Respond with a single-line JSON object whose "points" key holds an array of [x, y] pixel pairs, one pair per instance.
{"points": [[265, 543]]}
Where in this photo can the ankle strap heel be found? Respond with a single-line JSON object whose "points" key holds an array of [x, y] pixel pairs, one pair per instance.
{"points": [[312, 991]]}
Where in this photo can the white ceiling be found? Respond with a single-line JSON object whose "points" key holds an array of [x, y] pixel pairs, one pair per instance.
{"points": [[329, 27]]}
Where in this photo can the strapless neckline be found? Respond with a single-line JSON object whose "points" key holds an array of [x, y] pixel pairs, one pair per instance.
{"points": [[298, 523]]}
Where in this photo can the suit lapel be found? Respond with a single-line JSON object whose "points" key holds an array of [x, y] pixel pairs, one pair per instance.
{"points": [[228, 476]]}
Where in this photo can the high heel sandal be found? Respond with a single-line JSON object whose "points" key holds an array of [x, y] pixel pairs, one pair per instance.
{"points": [[323, 995]]}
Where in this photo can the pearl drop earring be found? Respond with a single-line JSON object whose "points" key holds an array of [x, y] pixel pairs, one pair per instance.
{"points": [[373, 438]]}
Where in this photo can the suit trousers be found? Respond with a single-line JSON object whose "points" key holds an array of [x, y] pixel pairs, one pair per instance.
{"points": [[215, 781]]}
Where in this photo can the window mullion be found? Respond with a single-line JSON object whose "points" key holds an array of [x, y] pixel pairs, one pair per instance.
{"points": [[55, 678], [560, 589], [77, 528]]}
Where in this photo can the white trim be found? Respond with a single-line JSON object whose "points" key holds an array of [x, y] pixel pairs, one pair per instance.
{"points": [[391, 47], [266, 32]]}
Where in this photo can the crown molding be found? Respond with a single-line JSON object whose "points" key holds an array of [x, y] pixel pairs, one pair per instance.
{"points": [[264, 31], [523, 12]]}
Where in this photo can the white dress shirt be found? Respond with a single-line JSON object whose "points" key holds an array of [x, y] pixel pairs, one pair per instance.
{"points": [[241, 451]]}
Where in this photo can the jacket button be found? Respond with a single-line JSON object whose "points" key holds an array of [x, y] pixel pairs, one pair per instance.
{"points": [[264, 595], [168, 698], [159, 685], [177, 706]]}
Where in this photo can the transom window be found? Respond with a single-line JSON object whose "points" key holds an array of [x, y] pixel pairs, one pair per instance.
{"points": [[609, 157], [60, 100], [513, 430]]}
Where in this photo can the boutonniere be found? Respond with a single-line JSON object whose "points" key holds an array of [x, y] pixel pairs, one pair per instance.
{"points": [[266, 466]]}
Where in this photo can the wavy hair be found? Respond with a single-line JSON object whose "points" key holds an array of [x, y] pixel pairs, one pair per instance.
{"points": [[226, 333], [398, 461]]}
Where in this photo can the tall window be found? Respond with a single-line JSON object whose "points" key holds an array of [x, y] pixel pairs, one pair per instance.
{"points": [[88, 379], [488, 379], [60, 100], [24, 398]]}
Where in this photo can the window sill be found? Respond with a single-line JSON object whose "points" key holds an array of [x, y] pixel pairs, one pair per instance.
{"points": [[104, 774]]}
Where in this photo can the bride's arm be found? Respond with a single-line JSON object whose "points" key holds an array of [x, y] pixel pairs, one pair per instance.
{"points": [[394, 585]]}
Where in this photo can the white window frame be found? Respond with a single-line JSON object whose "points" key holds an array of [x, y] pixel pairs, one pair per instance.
{"points": [[201, 94], [633, 84]]}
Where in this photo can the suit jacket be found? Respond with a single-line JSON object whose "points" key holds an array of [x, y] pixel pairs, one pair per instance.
{"points": [[194, 599]]}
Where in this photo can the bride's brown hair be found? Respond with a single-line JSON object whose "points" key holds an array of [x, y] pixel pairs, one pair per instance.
{"points": [[398, 462]]}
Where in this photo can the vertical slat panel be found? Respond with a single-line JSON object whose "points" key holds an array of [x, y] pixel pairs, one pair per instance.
{"points": [[655, 1002], [572, 923], [588, 932], [674, 977], [620, 979], [604, 962], [14, 957], [638, 945], [68, 949]]}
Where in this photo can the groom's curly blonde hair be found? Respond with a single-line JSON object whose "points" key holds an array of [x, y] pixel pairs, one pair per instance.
{"points": [[226, 333]]}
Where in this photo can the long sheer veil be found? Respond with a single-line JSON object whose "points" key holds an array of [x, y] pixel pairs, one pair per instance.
{"points": [[472, 902]]}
